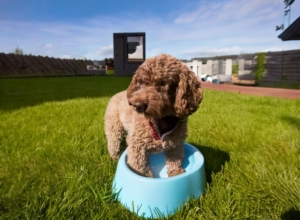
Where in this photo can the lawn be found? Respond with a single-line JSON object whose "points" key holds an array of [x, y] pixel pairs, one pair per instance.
{"points": [[110, 72], [54, 162]]}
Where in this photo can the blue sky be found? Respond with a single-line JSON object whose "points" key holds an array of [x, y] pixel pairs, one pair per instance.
{"points": [[185, 29]]}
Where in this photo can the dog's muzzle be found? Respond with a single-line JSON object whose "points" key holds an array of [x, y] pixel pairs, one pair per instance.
{"points": [[140, 107]]}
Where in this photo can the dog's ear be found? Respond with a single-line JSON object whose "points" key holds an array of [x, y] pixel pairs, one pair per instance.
{"points": [[132, 85], [188, 93]]}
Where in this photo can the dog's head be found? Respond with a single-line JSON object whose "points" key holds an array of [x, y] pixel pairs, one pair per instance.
{"points": [[164, 86]]}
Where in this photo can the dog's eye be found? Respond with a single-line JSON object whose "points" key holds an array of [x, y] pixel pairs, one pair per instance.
{"points": [[139, 83]]}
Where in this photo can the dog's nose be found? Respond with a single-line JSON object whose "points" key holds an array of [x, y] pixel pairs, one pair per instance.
{"points": [[140, 107]]}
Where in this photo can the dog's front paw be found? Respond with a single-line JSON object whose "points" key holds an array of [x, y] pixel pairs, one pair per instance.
{"points": [[115, 158], [176, 172], [144, 173], [148, 174]]}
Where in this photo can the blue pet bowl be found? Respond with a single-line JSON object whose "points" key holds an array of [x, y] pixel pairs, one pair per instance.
{"points": [[162, 195]]}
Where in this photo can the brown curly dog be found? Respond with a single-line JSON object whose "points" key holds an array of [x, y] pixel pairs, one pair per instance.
{"points": [[152, 114]]}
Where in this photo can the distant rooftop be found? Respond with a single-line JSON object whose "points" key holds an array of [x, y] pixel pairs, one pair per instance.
{"points": [[292, 32]]}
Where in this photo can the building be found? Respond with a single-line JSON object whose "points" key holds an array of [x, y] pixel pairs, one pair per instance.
{"points": [[129, 52], [292, 32]]}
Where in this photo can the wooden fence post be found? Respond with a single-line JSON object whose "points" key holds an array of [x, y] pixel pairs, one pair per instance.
{"points": [[209, 65], [228, 67], [241, 67]]}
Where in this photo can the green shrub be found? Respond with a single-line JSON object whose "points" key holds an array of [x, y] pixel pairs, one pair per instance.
{"points": [[18, 51], [235, 69], [260, 66]]}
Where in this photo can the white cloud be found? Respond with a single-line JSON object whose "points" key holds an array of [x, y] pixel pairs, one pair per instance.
{"points": [[205, 52], [106, 51], [279, 48], [154, 52], [66, 56], [225, 50], [205, 28], [48, 46], [273, 49]]}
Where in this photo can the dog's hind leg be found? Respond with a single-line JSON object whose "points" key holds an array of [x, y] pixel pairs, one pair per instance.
{"points": [[114, 132]]}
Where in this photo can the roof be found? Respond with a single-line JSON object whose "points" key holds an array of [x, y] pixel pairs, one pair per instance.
{"points": [[100, 63], [292, 32]]}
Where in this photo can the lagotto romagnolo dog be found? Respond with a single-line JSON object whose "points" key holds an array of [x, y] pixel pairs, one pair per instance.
{"points": [[152, 114]]}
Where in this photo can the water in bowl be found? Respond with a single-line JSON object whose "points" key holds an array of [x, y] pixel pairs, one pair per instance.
{"points": [[158, 163]]}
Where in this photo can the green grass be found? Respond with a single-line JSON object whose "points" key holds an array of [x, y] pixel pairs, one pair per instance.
{"points": [[110, 72], [54, 162], [20, 92], [235, 69]]}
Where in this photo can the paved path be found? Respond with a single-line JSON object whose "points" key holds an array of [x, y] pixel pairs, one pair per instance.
{"points": [[254, 90]]}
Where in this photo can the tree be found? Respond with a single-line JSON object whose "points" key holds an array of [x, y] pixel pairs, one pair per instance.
{"points": [[288, 4], [18, 51], [109, 61]]}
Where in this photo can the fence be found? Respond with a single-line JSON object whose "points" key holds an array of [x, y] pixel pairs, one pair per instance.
{"points": [[283, 66], [12, 65], [280, 66]]}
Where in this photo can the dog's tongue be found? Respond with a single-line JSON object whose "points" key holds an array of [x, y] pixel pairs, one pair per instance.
{"points": [[155, 134]]}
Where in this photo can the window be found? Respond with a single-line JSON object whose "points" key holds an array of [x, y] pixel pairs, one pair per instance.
{"points": [[135, 48]]}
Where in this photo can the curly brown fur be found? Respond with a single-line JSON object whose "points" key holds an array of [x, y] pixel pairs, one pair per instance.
{"points": [[162, 94]]}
